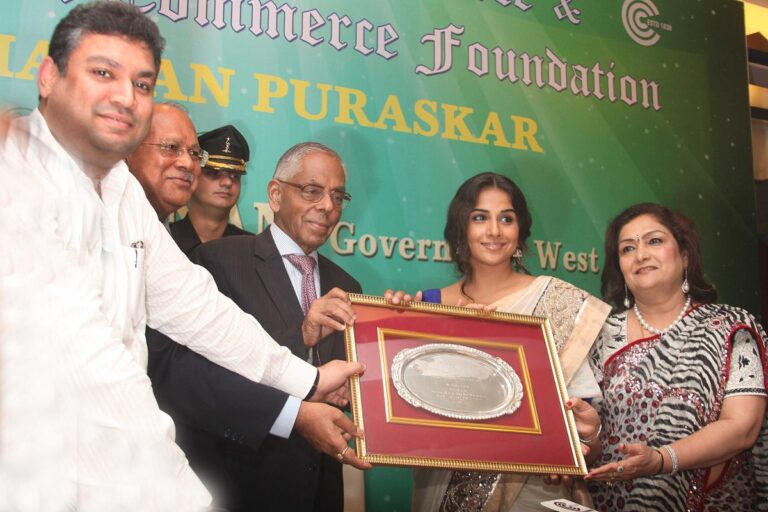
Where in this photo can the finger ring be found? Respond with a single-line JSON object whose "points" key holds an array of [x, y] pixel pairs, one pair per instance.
{"points": [[620, 469], [340, 455]]}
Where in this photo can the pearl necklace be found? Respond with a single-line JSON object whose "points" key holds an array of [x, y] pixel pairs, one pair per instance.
{"points": [[648, 327]]}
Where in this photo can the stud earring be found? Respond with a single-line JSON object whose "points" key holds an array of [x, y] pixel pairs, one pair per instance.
{"points": [[686, 287], [627, 303]]}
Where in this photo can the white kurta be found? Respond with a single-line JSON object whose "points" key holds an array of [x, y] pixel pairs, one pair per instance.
{"points": [[108, 269], [147, 280]]}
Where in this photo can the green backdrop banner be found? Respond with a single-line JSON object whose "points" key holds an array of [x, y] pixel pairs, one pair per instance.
{"points": [[588, 106]]}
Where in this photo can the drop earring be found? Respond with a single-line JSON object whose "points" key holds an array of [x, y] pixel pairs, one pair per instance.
{"points": [[627, 303], [517, 258], [686, 287]]}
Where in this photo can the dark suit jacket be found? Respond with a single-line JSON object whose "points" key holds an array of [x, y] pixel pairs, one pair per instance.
{"points": [[223, 419], [183, 232]]}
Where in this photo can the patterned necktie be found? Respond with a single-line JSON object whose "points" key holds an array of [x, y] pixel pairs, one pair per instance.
{"points": [[306, 265]]}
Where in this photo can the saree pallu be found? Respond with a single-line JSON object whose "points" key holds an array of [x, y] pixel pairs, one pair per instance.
{"points": [[576, 318]]}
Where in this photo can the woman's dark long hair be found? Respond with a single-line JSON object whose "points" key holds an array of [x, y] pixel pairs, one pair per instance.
{"points": [[687, 237], [464, 202]]}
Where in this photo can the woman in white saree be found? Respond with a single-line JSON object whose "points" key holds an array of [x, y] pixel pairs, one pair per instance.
{"points": [[487, 227]]}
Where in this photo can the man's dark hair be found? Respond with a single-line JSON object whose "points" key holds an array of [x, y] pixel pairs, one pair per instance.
{"points": [[105, 17]]}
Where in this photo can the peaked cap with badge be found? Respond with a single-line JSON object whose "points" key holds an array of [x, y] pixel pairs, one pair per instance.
{"points": [[227, 149]]}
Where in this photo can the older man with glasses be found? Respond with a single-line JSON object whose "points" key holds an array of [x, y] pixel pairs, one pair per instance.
{"points": [[167, 163], [263, 450]]}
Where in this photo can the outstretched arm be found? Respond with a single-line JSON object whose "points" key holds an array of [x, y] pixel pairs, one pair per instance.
{"points": [[201, 394], [736, 430]]}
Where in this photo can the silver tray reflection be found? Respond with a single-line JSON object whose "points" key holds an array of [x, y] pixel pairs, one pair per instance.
{"points": [[456, 381]]}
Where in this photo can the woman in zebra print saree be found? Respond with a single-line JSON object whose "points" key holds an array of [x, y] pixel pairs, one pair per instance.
{"points": [[682, 421]]}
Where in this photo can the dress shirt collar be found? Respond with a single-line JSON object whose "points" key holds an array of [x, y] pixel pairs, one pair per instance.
{"points": [[285, 244]]}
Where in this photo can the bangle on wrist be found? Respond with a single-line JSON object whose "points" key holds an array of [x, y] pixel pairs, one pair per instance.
{"points": [[661, 466], [593, 438], [673, 458], [313, 389]]}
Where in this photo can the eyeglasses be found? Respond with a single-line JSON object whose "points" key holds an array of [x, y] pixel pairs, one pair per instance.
{"points": [[314, 193], [170, 150], [216, 174]]}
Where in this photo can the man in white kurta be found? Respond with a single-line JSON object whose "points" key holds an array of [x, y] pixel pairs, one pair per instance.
{"points": [[108, 270], [146, 279], [79, 426]]}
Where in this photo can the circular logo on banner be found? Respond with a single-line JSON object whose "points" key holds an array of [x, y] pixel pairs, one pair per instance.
{"points": [[634, 15]]}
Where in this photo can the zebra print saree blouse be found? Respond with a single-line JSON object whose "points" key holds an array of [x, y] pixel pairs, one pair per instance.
{"points": [[660, 389]]}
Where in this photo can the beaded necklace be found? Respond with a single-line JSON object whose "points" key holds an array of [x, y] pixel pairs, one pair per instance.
{"points": [[648, 327]]}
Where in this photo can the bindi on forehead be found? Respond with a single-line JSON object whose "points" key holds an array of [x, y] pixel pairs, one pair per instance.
{"points": [[636, 237]]}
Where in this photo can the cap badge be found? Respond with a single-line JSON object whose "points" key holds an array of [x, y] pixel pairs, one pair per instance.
{"points": [[227, 146]]}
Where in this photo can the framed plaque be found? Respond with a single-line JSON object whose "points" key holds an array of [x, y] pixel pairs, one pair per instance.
{"points": [[459, 388]]}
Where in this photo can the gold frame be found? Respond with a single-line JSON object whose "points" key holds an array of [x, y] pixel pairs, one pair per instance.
{"points": [[579, 468]]}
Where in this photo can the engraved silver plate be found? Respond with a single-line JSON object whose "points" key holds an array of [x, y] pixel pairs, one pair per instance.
{"points": [[456, 381]]}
